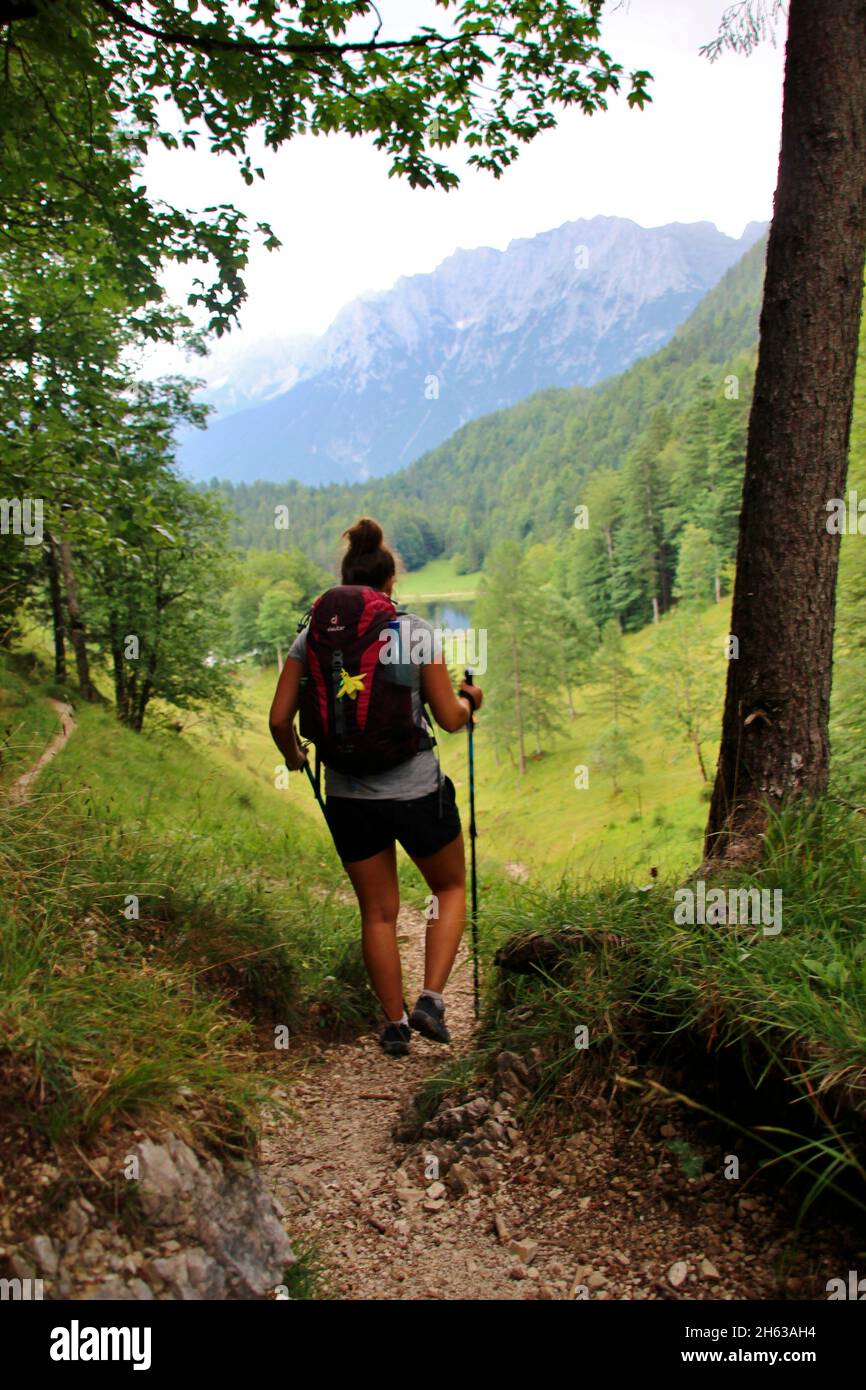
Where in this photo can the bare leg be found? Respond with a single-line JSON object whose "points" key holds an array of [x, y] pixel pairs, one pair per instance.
{"points": [[375, 883], [445, 873]]}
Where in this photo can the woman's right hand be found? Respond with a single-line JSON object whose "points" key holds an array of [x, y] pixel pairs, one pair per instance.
{"points": [[475, 691]]}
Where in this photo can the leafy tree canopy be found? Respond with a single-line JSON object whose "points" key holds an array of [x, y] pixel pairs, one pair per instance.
{"points": [[88, 85]]}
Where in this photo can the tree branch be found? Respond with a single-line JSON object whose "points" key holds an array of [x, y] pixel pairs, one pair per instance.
{"points": [[205, 44]]}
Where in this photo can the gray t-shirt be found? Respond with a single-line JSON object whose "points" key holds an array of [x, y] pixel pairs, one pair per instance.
{"points": [[418, 775]]}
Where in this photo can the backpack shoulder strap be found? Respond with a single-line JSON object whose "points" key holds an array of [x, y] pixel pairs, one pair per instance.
{"points": [[305, 620]]}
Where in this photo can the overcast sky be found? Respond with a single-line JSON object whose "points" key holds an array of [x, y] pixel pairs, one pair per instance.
{"points": [[706, 149]]}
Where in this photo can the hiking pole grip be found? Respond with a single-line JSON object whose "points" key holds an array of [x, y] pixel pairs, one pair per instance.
{"points": [[472, 837], [314, 784]]}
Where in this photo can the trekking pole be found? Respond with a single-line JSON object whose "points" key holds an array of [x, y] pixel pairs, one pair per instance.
{"points": [[315, 783], [473, 833]]}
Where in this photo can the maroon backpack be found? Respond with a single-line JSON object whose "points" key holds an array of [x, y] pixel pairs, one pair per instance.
{"points": [[354, 707]]}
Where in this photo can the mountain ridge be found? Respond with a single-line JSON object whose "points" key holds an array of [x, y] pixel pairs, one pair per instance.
{"points": [[519, 472], [398, 371]]}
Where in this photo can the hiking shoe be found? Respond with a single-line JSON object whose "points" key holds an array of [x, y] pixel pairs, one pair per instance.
{"points": [[428, 1019], [394, 1039]]}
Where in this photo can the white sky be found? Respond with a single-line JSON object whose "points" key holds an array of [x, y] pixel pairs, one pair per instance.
{"points": [[706, 149]]}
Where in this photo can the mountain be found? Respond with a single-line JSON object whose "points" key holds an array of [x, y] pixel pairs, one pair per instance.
{"points": [[271, 367], [398, 372], [520, 472]]}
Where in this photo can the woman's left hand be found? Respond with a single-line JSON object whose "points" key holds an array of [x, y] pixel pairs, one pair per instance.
{"points": [[297, 761]]}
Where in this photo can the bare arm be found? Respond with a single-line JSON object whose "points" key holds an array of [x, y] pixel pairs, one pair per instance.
{"points": [[283, 711], [450, 712]]}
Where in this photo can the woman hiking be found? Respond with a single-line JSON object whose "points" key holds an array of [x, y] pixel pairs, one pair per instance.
{"points": [[361, 673]]}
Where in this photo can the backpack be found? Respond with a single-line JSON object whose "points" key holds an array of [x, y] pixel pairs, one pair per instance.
{"points": [[356, 708]]}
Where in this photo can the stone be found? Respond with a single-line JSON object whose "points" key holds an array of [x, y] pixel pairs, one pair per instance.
{"points": [[45, 1253], [235, 1237], [678, 1273], [524, 1250], [111, 1290], [76, 1219], [510, 1062], [500, 1228], [708, 1270], [460, 1178], [476, 1109]]}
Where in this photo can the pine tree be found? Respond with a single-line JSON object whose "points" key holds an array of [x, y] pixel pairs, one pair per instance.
{"points": [[504, 609], [647, 553], [616, 694], [697, 567]]}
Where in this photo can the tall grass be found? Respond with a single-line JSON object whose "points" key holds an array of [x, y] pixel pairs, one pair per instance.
{"points": [[161, 919], [787, 1012]]}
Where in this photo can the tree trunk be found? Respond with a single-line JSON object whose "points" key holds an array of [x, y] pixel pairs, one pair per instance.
{"points": [[774, 733], [696, 744], [76, 626], [121, 685], [518, 706], [56, 599]]}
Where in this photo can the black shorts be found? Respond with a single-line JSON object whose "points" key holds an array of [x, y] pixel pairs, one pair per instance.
{"points": [[362, 827]]}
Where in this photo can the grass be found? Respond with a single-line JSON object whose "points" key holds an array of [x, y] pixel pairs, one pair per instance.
{"points": [[783, 1015], [438, 579], [163, 916]]}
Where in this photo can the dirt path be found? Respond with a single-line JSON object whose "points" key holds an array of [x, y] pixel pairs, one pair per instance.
{"points": [[23, 785], [619, 1205], [340, 1174]]}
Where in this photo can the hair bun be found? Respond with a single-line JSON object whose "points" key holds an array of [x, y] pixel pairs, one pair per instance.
{"points": [[365, 537]]}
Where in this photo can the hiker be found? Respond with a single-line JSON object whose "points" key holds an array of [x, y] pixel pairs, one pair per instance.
{"points": [[361, 688]]}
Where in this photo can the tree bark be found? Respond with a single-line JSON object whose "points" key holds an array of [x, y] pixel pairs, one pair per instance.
{"points": [[56, 598], [775, 743], [76, 626]]}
